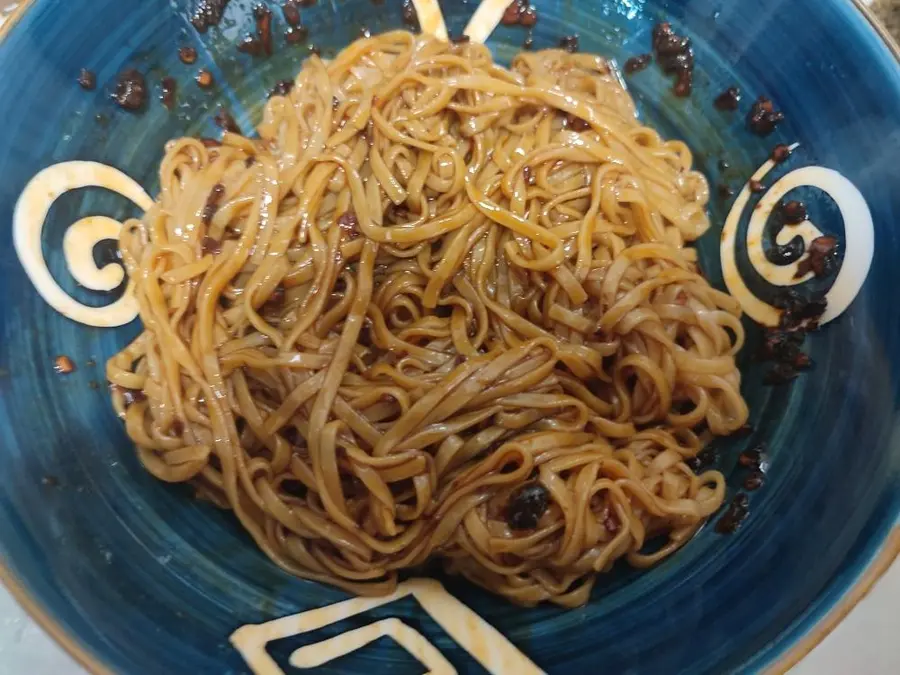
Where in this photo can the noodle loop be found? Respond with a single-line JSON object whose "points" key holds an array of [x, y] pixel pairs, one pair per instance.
{"points": [[430, 282]]}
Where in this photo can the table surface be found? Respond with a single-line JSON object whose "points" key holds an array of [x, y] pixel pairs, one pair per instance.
{"points": [[865, 643]]}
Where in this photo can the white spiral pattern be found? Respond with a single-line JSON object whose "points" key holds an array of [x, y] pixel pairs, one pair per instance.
{"points": [[80, 238], [858, 243]]}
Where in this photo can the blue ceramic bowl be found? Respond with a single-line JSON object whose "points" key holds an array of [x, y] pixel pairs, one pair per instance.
{"points": [[133, 576]]}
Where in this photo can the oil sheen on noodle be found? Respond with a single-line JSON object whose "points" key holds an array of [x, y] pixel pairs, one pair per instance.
{"points": [[430, 281]]}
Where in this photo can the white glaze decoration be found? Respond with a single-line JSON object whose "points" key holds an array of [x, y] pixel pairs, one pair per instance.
{"points": [[858, 241], [485, 19], [431, 19], [481, 640], [28, 224]]}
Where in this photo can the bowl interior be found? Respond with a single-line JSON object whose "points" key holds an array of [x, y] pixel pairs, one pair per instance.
{"points": [[148, 580]]}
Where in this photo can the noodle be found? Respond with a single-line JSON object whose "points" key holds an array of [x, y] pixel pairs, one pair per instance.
{"points": [[430, 282]]}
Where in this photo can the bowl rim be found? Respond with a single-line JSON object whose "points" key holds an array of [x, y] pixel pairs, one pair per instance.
{"points": [[878, 565]]}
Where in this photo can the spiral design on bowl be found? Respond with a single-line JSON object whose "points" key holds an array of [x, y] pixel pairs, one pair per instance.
{"points": [[29, 217], [859, 241]]}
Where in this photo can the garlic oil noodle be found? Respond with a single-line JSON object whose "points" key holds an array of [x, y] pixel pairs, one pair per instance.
{"points": [[438, 308]]}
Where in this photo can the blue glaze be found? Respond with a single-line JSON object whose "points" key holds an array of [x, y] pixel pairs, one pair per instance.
{"points": [[149, 581]]}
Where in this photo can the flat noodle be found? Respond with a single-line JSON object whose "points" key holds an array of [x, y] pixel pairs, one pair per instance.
{"points": [[429, 282]]}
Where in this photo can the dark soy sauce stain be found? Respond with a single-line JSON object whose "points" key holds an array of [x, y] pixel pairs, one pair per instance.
{"points": [[168, 92], [728, 100], [526, 506], [763, 118], [131, 90], [87, 80]]}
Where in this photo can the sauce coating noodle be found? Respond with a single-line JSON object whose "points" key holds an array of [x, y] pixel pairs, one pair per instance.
{"points": [[429, 282]]}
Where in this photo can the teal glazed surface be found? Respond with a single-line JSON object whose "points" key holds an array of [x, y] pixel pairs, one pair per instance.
{"points": [[147, 580]]}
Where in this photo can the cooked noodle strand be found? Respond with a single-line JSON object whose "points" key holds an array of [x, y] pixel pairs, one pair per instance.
{"points": [[429, 283]]}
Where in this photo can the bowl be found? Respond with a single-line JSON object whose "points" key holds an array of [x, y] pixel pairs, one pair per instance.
{"points": [[132, 575]]}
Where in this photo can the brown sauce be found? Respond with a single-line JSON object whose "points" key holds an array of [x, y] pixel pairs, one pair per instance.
{"points": [[734, 515], [291, 12], [212, 204], [282, 88], [780, 153], [793, 212], [208, 14], [87, 79], [823, 257], [63, 365], [519, 13], [763, 118], [569, 43], [187, 55], [526, 506], [205, 79], [728, 100], [225, 120], [637, 63], [263, 16], [131, 90], [410, 17], [675, 56], [294, 35], [783, 345], [168, 92]]}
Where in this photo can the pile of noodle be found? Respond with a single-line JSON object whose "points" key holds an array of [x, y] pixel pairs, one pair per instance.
{"points": [[430, 281]]}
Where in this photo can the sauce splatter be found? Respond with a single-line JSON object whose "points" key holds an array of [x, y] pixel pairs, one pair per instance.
{"points": [[168, 92], [282, 88], [294, 35], [705, 458], [87, 79], [187, 55], [822, 260], [780, 153], [63, 365], [753, 458], [763, 118], [225, 120], [519, 13], [263, 16], [728, 100], [131, 90], [754, 481], [291, 13], [736, 513], [785, 254], [569, 43], [526, 506], [410, 17], [212, 204], [250, 45], [783, 345], [675, 56], [793, 212], [637, 63], [205, 79], [208, 14]]}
